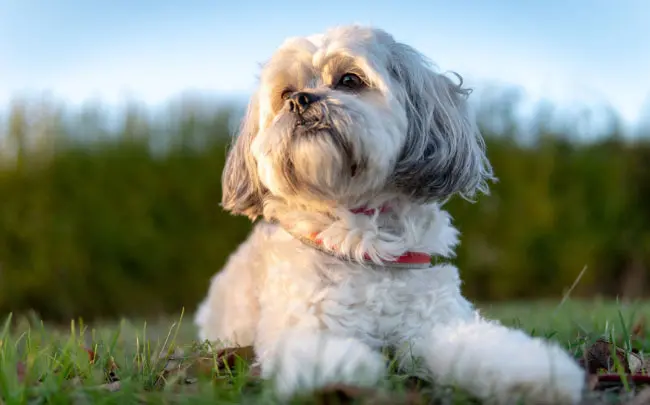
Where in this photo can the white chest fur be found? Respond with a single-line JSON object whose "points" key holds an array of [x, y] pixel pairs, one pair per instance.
{"points": [[380, 306]]}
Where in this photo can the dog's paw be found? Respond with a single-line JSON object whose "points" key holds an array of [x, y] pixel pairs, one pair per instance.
{"points": [[303, 362], [543, 373], [502, 365]]}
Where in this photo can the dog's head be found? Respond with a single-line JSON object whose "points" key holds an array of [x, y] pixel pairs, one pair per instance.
{"points": [[350, 115]]}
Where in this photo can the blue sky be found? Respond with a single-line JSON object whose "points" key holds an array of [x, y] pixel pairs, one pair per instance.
{"points": [[569, 51]]}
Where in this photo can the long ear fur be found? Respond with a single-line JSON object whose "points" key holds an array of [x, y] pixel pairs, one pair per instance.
{"points": [[242, 191], [444, 153]]}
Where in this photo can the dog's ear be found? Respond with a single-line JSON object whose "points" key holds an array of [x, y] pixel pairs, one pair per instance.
{"points": [[444, 153], [242, 191]]}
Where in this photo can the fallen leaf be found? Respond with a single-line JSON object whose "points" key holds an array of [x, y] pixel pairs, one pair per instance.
{"points": [[637, 363], [598, 357], [228, 357], [182, 370], [92, 355], [201, 367], [110, 368], [169, 371], [604, 375]]}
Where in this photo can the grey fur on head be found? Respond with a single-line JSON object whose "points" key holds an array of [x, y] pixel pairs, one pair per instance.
{"points": [[444, 151], [349, 118]]}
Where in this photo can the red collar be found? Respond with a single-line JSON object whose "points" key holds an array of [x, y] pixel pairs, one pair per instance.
{"points": [[408, 259], [371, 211]]}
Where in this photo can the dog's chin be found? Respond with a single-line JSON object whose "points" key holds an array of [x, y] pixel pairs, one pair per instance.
{"points": [[310, 161], [309, 129], [323, 162]]}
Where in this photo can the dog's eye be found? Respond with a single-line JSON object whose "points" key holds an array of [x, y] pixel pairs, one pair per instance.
{"points": [[350, 81], [286, 94]]}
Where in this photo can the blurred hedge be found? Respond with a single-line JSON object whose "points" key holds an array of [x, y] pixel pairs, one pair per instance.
{"points": [[104, 216]]}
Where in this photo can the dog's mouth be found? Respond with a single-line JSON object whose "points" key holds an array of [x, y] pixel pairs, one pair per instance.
{"points": [[324, 137], [306, 127]]}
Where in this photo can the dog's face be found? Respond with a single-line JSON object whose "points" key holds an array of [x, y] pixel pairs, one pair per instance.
{"points": [[348, 116]]}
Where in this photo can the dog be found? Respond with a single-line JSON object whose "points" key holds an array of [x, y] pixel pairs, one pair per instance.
{"points": [[349, 148]]}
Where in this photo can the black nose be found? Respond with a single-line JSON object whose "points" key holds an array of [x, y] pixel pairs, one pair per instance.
{"points": [[300, 101]]}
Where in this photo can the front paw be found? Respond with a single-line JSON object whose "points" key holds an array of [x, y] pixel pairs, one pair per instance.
{"points": [[502, 365], [542, 373], [304, 362]]}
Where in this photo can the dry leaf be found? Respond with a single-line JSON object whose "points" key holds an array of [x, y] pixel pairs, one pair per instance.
{"points": [[92, 355], [598, 357], [201, 367], [603, 373], [184, 369], [110, 367], [170, 371], [111, 371], [636, 363], [228, 357]]}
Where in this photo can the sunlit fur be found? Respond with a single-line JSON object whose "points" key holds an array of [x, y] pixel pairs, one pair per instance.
{"points": [[404, 140]]}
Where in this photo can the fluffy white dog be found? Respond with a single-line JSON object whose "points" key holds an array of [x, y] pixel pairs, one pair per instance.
{"points": [[349, 147]]}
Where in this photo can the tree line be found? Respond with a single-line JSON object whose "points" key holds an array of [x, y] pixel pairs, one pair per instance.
{"points": [[106, 215]]}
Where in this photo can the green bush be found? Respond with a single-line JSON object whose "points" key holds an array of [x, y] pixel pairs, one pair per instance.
{"points": [[101, 218]]}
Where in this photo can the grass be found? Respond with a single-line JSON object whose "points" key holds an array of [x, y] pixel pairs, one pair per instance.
{"points": [[41, 363]]}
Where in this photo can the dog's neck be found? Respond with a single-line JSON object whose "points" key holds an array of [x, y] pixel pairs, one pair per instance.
{"points": [[387, 233]]}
